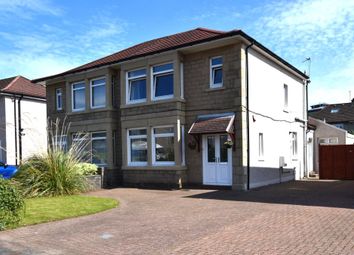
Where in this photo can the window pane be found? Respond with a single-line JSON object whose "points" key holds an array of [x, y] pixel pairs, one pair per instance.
{"points": [[163, 85], [217, 75], [223, 148], [163, 130], [99, 135], [137, 89], [137, 73], [99, 96], [211, 149], [138, 150], [99, 151], [216, 61], [163, 68], [79, 86], [137, 132], [79, 99], [100, 81], [164, 148]]}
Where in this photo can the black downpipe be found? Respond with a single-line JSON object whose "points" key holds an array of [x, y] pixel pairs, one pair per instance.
{"points": [[248, 118], [15, 121], [20, 130]]}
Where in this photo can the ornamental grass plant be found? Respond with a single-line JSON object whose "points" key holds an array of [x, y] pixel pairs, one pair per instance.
{"points": [[54, 172]]}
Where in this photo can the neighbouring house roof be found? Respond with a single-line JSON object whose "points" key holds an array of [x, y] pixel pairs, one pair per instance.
{"points": [[22, 86], [213, 124], [175, 41], [334, 113]]}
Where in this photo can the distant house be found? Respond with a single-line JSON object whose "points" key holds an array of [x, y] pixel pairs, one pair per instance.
{"points": [[322, 133], [201, 107], [23, 119], [339, 115]]}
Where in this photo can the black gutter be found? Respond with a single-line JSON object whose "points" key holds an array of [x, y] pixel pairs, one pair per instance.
{"points": [[225, 35], [15, 121], [248, 117]]}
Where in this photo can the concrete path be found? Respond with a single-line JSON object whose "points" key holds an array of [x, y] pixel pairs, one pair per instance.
{"points": [[307, 217]]}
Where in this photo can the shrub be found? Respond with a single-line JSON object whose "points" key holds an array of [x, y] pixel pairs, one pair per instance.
{"points": [[11, 205], [86, 169], [54, 172]]}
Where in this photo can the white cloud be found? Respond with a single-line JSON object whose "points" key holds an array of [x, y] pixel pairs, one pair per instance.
{"points": [[49, 50], [27, 8], [320, 29]]}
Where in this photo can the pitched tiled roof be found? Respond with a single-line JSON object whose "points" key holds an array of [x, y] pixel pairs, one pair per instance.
{"points": [[213, 124], [335, 113], [175, 41], [22, 86]]}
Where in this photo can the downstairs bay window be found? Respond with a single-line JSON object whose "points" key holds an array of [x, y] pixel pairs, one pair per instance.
{"points": [[163, 146], [137, 147]]}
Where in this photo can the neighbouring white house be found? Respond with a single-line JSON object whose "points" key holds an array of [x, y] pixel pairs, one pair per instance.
{"points": [[321, 133], [23, 119]]}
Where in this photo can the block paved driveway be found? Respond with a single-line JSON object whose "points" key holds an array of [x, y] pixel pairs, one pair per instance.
{"points": [[306, 217]]}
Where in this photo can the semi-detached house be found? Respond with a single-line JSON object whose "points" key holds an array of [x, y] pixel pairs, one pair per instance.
{"points": [[201, 107]]}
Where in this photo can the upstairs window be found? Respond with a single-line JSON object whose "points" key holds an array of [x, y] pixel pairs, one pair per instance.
{"points": [[59, 99], [98, 93], [286, 97], [162, 78], [136, 86], [216, 72], [78, 96]]}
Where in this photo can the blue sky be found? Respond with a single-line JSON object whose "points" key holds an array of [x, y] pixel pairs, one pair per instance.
{"points": [[44, 37]]}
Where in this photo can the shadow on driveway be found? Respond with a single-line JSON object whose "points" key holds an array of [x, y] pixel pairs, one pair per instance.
{"points": [[338, 194]]}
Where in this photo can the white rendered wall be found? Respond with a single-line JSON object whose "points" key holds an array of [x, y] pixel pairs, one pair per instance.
{"points": [[268, 116], [34, 123], [10, 131]]}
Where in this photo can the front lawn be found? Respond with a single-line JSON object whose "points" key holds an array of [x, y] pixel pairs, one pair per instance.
{"points": [[45, 209]]}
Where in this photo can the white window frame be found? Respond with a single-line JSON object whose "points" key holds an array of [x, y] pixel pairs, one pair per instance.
{"points": [[95, 139], [153, 83], [212, 69], [92, 86], [129, 137], [72, 95], [293, 145], [153, 148], [286, 97], [59, 98], [261, 146], [127, 86]]}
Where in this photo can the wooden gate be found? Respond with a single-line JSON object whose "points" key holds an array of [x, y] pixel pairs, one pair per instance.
{"points": [[336, 162]]}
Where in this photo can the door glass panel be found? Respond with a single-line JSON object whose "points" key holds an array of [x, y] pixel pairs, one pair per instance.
{"points": [[223, 149], [211, 149]]}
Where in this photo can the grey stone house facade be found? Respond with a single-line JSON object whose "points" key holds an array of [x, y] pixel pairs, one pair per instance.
{"points": [[171, 111]]}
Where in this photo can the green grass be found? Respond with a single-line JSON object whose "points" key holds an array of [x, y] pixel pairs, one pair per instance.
{"points": [[45, 209]]}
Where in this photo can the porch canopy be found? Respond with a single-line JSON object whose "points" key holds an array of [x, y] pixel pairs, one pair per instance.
{"points": [[213, 124]]}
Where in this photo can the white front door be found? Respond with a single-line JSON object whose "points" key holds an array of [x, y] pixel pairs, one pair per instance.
{"points": [[217, 165]]}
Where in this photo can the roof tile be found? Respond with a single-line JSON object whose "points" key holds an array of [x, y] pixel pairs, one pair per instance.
{"points": [[22, 86]]}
